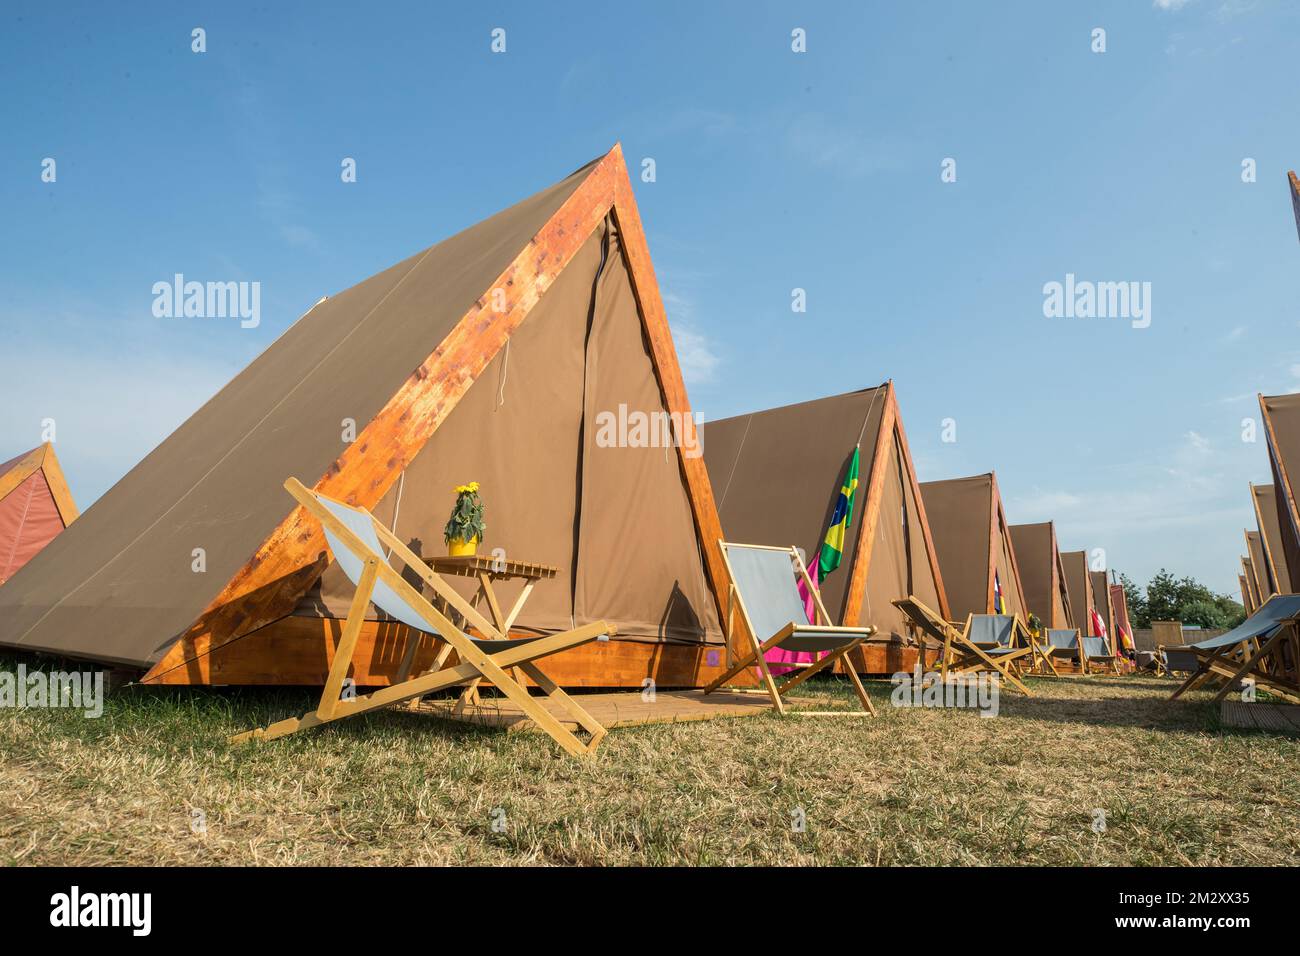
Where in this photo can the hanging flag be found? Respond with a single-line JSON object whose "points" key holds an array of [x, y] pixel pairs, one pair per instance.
{"points": [[999, 607], [1098, 625], [833, 544], [828, 559]]}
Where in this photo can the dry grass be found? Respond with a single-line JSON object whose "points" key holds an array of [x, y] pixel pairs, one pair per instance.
{"points": [[911, 787]]}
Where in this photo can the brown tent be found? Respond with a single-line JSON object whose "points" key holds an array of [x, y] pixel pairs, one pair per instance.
{"points": [[1082, 601], [1264, 498], [1101, 598], [1259, 566], [1252, 585], [1294, 183], [973, 541], [529, 353], [1281, 414], [1245, 594], [1119, 614], [777, 475], [35, 505], [1041, 572]]}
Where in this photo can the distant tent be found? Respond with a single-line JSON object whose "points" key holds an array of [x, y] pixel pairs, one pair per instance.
{"points": [[1295, 198], [1101, 599], [1119, 613], [1252, 585], [35, 505], [1281, 414], [1082, 600], [1042, 573], [497, 355], [775, 475], [1245, 594], [973, 541], [1259, 566], [1264, 498]]}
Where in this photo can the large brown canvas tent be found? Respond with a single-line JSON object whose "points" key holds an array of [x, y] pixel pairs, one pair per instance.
{"points": [[35, 506], [1101, 599], [1079, 581], [1281, 414], [1041, 573], [1245, 594], [777, 474], [496, 355], [1264, 498], [973, 541], [1252, 585]]}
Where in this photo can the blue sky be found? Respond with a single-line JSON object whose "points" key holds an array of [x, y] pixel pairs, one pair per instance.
{"points": [[775, 171]]}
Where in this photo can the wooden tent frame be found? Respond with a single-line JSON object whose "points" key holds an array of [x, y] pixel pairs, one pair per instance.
{"points": [[1268, 546], [42, 459], [1058, 582], [1252, 585], [998, 520], [1281, 475], [247, 634], [1261, 576], [890, 430], [1295, 198]]}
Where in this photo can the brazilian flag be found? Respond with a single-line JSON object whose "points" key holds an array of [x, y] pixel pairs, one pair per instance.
{"points": [[833, 545]]}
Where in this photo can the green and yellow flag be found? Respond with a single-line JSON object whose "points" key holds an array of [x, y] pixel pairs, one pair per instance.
{"points": [[833, 545]]}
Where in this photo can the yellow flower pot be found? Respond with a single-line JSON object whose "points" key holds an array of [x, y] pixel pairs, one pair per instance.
{"points": [[458, 548]]}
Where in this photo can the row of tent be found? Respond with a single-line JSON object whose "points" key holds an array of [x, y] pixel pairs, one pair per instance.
{"points": [[1271, 564], [529, 353]]}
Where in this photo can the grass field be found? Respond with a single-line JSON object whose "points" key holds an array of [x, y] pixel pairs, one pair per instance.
{"points": [[913, 786]]}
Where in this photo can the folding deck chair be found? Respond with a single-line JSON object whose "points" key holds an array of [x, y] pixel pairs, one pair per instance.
{"points": [[1041, 653], [354, 536], [960, 653], [1097, 651], [1064, 642], [1265, 648], [765, 592]]}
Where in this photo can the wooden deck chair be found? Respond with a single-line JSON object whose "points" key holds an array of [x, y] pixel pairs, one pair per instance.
{"points": [[958, 649], [1063, 642], [354, 537], [1041, 661], [1097, 651], [765, 593], [1001, 636], [1265, 649]]}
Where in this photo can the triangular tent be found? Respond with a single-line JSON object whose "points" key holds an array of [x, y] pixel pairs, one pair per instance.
{"points": [[1119, 614], [1252, 585], [1259, 566], [1245, 594], [1041, 573], [1281, 414], [1079, 582], [1294, 183], [1264, 498], [35, 505], [1101, 600], [497, 356], [777, 475], [973, 541]]}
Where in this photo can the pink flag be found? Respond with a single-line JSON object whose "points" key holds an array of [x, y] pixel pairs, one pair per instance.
{"points": [[776, 657]]}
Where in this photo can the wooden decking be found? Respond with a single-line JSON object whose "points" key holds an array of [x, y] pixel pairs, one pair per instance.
{"points": [[624, 709], [1275, 718]]}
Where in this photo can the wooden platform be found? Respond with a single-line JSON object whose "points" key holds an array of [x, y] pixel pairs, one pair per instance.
{"points": [[625, 709], [1276, 718]]}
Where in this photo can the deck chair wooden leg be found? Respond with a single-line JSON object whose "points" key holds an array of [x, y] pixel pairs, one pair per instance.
{"points": [[1246, 666], [329, 698], [1001, 669], [552, 690]]}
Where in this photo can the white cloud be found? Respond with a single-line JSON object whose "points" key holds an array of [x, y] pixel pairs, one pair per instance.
{"points": [[1169, 4], [695, 356]]}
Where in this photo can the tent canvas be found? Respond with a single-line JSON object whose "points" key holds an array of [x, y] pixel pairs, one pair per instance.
{"points": [[974, 545], [1281, 415], [35, 506], [1267, 519], [1042, 574], [1082, 600], [496, 355], [1259, 566], [776, 474], [1245, 593], [1101, 599], [1252, 584], [1294, 190]]}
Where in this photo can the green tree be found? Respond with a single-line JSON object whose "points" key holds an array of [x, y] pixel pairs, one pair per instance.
{"points": [[1136, 599], [1183, 599]]}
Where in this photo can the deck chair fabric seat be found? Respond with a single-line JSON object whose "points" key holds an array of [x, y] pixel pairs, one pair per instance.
{"points": [[764, 595], [354, 538], [1097, 650]]}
